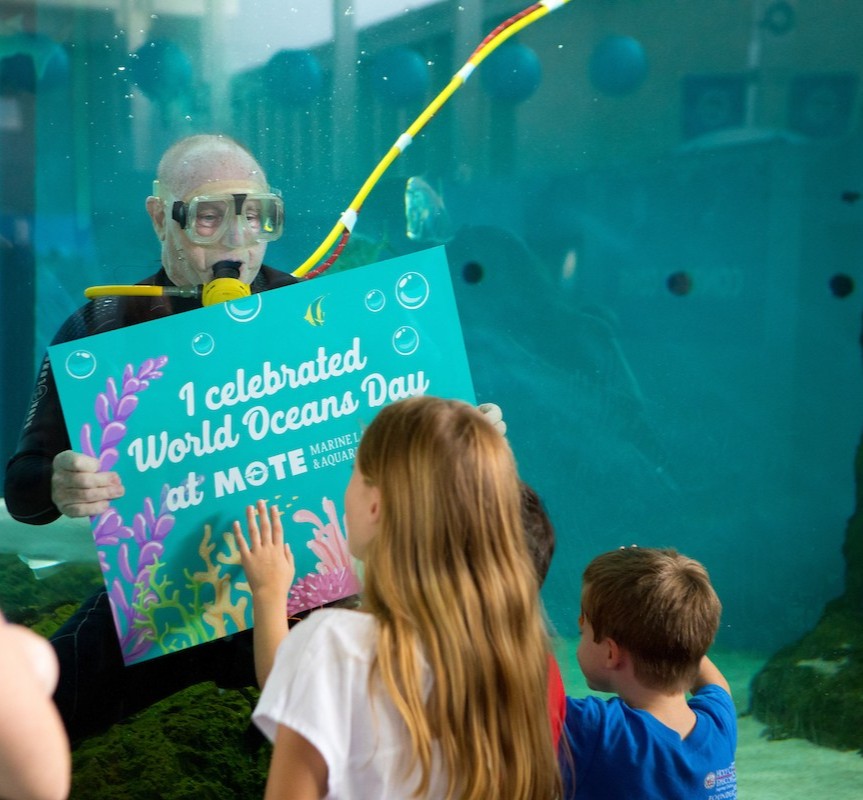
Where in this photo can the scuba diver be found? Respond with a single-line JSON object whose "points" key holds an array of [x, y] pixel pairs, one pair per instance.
{"points": [[214, 214]]}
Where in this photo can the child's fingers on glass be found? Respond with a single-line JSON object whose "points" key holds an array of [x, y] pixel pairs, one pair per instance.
{"points": [[264, 522], [242, 545], [252, 524], [276, 523]]}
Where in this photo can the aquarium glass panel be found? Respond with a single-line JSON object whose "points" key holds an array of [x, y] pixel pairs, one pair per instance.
{"points": [[653, 222]]}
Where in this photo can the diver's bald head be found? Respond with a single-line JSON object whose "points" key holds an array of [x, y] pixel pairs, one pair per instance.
{"points": [[206, 158], [201, 166]]}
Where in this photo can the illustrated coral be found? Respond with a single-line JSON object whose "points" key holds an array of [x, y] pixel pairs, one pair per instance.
{"points": [[222, 607], [174, 619], [335, 577]]}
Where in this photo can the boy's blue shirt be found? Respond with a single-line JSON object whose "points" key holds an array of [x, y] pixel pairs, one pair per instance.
{"points": [[621, 753]]}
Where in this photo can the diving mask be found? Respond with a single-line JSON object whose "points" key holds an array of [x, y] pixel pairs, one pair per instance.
{"points": [[252, 216]]}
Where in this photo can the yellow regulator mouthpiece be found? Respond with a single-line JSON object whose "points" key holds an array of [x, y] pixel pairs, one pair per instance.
{"points": [[223, 290]]}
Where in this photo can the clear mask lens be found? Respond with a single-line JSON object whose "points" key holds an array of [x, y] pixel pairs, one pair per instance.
{"points": [[239, 218]]}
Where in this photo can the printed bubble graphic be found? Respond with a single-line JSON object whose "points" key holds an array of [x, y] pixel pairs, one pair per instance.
{"points": [[412, 290], [203, 344], [375, 300], [406, 340], [80, 364], [244, 310]]}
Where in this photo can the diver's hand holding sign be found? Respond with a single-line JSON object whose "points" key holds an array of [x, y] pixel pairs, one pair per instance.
{"points": [[494, 415], [79, 489]]}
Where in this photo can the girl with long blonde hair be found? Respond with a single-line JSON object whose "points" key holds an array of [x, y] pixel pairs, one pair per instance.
{"points": [[438, 690]]}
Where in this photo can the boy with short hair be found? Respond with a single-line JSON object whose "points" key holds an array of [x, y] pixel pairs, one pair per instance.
{"points": [[648, 617]]}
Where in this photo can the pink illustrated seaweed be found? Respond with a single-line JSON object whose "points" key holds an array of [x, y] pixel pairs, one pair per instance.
{"points": [[335, 577]]}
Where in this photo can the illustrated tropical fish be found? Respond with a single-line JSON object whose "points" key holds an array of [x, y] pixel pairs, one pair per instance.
{"points": [[427, 219], [315, 312]]}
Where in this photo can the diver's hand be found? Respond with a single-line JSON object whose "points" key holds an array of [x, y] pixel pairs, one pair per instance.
{"points": [[79, 489], [494, 415], [267, 560]]}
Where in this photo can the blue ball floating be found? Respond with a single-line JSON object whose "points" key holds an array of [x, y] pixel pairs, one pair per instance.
{"points": [[295, 76], [400, 75], [161, 69], [618, 65], [512, 73]]}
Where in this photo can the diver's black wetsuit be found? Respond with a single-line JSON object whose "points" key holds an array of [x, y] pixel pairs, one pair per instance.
{"points": [[95, 690]]}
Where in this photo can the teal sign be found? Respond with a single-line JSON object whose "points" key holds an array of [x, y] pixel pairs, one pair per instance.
{"points": [[203, 413]]}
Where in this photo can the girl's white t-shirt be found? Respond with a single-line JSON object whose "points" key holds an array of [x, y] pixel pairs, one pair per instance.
{"points": [[319, 687]]}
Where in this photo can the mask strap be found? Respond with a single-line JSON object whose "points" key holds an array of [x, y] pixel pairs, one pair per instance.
{"points": [[180, 213]]}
